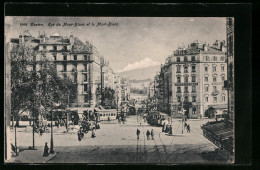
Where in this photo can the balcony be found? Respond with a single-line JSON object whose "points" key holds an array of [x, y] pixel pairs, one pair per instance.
{"points": [[178, 92], [215, 92]]}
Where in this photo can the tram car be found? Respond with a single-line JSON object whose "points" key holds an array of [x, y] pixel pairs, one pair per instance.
{"points": [[107, 114], [156, 118]]}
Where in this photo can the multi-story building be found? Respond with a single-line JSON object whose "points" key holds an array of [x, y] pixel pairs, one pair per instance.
{"points": [[125, 89], [193, 79], [74, 59]]}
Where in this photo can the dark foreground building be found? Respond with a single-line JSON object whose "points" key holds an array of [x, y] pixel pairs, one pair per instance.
{"points": [[221, 133]]}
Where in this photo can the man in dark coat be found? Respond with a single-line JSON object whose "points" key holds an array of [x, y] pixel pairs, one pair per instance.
{"points": [[152, 134], [137, 133], [148, 134], [170, 130], [93, 135], [188, 128], [46, 150]]}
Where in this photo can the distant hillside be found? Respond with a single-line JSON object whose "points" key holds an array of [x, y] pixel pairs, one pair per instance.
{"points": [[141, 74]]}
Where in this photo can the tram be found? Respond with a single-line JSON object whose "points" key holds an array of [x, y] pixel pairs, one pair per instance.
{"points": [[156, 118]]}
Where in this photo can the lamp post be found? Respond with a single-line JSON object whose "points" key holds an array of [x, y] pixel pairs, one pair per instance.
{"points": [[51, 149], [182, 116]]}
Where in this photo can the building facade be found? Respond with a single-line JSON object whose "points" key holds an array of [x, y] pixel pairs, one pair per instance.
{"points": [[74, 59], [193, 79]]}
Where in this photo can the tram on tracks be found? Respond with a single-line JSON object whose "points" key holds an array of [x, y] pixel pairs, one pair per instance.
{"points": [[156, 118]]}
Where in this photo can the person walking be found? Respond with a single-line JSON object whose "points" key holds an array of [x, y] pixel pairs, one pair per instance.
{"points": [[152, 134], [188, 128], [185, 125], [170, 130], [163, 128], [148, 134], [93, 135], [46, 150], [138, 133]]}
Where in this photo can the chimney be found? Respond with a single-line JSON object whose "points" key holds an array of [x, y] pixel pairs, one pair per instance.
{"points": [[71, 40], [222, 46], [205, 48]]}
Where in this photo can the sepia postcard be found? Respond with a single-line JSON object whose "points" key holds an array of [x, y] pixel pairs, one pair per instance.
{"points": [[113, 90]]}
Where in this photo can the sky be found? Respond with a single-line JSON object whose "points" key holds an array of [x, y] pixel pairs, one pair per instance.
{"points": [[131, 42]]}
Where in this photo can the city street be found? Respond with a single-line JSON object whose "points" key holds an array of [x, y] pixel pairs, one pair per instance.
{"points": [[117, 143]]}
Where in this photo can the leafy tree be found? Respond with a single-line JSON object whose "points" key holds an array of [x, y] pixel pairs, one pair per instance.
{"points": [[33, 89], [109, 98]]}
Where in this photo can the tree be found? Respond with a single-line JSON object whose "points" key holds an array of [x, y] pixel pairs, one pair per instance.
{"points": [[109, 98], [33, 89]]}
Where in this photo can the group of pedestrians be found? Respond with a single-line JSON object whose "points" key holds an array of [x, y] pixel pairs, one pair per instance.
{"points": [[167, 129], [148, 134], [81, 134]]}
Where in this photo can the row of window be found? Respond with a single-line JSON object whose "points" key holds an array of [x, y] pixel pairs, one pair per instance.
{"points": [[186, 59], [186, 99], [214, 58], [206, 89], [206, 58], [186, 79], [206, 78], [215, 89], [75, 67], [186, 89], [55, 47], [75, 77], [214, 68], [215, 99], [193, 69], [107, 114], [75, 57]]}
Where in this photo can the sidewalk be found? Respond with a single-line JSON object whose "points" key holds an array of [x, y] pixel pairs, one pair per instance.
{"points": [[31, 156]]}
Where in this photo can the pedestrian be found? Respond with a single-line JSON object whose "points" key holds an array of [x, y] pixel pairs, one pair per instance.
{"points": [[148, 134], [93, 135], [188, 128], [46, 150], [185, 125], [41, 131], [152, 134], [167, 128], [170, 130], [138, 133], [163, 128]]}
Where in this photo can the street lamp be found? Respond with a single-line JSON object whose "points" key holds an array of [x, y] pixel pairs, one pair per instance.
{"points": [[51, 149]]}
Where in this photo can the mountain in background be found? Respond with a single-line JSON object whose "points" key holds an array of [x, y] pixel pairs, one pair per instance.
{"points": [[141, 73]]}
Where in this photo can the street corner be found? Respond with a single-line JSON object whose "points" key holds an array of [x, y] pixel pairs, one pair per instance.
{"points": [[32, 156]]}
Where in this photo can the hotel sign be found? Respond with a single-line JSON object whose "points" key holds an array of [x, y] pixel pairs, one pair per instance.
{"points": [[186, 84], [218, 83]]}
